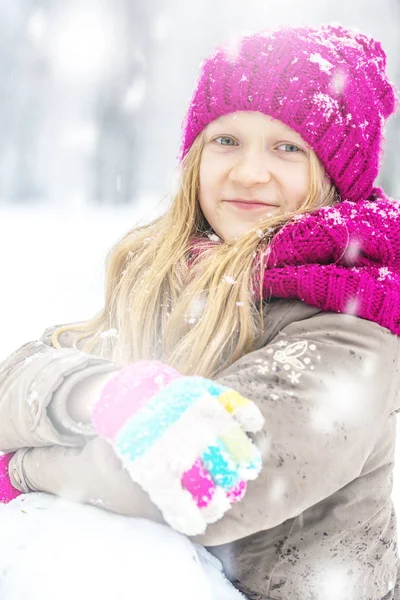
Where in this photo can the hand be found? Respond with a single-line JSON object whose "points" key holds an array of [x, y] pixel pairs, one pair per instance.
{"points": [[182, 439]]}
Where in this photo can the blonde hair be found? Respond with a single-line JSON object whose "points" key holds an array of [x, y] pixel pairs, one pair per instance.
{"points": [[199, 317]]}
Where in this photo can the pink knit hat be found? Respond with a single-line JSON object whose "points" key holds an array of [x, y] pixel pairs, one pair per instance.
{"points": [[328, 84]]}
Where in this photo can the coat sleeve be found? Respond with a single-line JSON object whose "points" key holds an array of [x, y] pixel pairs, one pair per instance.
{"points": [[326, 386], [35, 382]]}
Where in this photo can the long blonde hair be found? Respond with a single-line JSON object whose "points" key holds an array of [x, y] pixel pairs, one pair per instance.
{"points": [[199, 317]]}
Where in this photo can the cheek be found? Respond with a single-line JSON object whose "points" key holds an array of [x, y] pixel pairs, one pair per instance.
{"points": [[209, 183], [299, 186]]}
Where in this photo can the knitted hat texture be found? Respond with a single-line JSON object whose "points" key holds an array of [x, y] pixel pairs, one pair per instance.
{"points": [[328, 84]]}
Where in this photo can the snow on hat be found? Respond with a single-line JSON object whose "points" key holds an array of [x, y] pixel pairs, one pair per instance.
{"points": [[327, 83]]}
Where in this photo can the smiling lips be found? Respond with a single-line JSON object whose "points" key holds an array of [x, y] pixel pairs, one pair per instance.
{"points": [[245, 205]]}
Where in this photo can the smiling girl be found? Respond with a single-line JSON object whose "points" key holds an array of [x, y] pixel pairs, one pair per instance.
{"points": [[241, 382]]}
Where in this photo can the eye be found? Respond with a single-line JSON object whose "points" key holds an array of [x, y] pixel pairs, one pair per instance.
{"points": [[290, 148], [225, 140]]}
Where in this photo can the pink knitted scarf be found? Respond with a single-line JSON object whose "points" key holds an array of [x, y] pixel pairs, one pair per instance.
{"points": [[344, 258]]}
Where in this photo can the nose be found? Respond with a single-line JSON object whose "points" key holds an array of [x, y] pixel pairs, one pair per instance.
{"points": [[251, 168]]}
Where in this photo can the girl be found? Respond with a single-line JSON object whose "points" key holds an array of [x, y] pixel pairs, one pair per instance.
{"points": [[244, 369]]}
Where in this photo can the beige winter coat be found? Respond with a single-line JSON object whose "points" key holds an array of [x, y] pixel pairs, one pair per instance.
{"points": [[319, 522]]}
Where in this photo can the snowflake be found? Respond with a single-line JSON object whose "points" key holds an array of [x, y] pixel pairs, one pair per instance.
{"points": [[299, 217], [383, 273], [353, 250], [263, 370], [229, 279], [196, 308], [135, 95], [294, 377], [190, 320], [213, 237], [327, 104], [352, 306], [339, 81], [276, 489], [109, 333], [281, 343]]}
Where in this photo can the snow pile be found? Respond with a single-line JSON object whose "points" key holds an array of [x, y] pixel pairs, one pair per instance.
{"points": [[52, 548]]}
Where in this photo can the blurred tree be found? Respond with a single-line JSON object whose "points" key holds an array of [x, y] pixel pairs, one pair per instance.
{"points": [[23, 89], [120, 107]]}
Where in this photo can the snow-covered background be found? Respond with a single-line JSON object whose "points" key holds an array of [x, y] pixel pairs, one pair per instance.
{"points": [[93, 94]]}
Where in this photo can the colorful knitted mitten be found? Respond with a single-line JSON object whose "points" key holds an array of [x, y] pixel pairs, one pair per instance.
{"points": [[7, 491], [182, 439]]}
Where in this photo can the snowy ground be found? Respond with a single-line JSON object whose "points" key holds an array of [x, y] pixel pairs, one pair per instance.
{"points": [[52, 272], [52, 264], [52, 549]]}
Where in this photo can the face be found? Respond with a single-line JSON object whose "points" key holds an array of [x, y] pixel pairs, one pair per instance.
{"points": [[252, 167]]}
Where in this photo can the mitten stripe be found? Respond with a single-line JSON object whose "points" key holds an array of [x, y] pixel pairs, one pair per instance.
{"points": [[245, 412], [220, 464], [185, 440], [231, 400], [218, 506], [238, 444], [126, 393], [199, 483], [163, 410], [155, 418], [237, 493], [252, 469]]}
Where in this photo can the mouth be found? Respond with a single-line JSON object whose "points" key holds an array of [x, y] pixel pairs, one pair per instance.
{"points": [[247, 205]]}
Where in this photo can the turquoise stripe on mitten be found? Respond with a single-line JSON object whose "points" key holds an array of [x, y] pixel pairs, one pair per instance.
{"points": [[152, 420], [220, 464]]}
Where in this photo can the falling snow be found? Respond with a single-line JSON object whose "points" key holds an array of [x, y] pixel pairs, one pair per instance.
{"points": [[383, 273], [109, 333], [213, 237], [229, 280]]}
